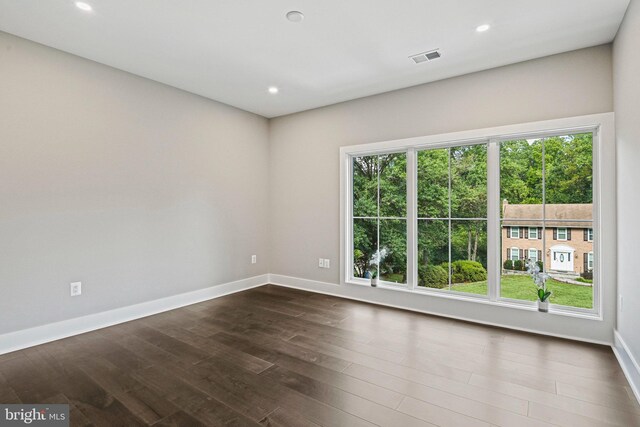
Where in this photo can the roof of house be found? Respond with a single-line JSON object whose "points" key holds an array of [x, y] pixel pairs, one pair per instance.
{"points": [[557, 215]]}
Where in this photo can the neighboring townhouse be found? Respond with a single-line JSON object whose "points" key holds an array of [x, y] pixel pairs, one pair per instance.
{"points": [[563, 242]]}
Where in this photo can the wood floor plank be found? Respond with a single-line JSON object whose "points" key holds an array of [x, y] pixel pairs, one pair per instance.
{"points": [[138, 399], [182, 350], [291, 400], [327, 361], [452, 392], [439, 369], [7, 395], [367, 390], [602, 396], [190, 399], [29, 381], [76, 417], [213, 347], [562, 418], [179, 419], [340, 399], [622, 415], [431, 409], [224, 382], [287, 418]]}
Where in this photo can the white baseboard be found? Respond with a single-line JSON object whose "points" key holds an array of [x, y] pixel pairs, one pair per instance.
{"points": [[337, 291], [628, 362], [25, 338]]}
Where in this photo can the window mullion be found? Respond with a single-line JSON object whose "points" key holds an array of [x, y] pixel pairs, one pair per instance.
{"points": [[412, 219], [494, 231], [378, 220]]}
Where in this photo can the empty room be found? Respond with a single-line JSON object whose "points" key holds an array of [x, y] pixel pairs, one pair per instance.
{"points": [[320, 213]]}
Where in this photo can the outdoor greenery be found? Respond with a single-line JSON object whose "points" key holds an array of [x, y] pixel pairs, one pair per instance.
{"points": [[452, 208]]}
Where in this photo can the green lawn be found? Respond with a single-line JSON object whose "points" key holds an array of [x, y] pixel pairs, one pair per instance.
{"points": [[521, 287]]}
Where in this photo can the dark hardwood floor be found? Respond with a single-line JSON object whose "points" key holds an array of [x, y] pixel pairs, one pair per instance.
{"points": [[274, 356]]}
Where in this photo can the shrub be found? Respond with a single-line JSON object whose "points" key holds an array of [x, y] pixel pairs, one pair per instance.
{"points": [[508, 265], [518, 265], [433, 276], [587, 275], [540, 265], [468, 271], [463, 271]]}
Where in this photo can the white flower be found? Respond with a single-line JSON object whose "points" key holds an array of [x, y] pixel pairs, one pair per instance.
{"points": [[377, 257], [538, 278]]}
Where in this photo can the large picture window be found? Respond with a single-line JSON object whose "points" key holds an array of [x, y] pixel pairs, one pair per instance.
{"points": [[464, 217]]}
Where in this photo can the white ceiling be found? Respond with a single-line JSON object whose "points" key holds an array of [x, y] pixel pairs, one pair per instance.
{"points": [[233, 50]]}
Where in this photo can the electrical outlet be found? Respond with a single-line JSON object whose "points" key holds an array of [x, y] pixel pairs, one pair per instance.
{"points": [[254, 259], [327, 263], [320, 263], [75, 289]]}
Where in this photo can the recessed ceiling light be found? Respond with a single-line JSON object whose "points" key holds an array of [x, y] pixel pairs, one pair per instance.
{"points": [[295, 16], [84, 6], [482, 28], [273, 90]]}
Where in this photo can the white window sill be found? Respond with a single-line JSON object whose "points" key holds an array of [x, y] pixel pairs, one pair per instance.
{"points": [[482, 299]]}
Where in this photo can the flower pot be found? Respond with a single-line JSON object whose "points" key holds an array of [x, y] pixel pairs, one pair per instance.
{"points": [[374, 282], [543, 306]]}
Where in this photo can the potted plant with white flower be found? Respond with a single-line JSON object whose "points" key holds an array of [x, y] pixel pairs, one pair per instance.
{"points": [[374, 265], [540, 280]]}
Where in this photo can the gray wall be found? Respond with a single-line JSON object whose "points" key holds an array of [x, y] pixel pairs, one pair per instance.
{"points": [[627, 107], [137, 189], [304, 170]]}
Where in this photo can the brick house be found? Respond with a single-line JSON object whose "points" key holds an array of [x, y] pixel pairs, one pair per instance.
{"points": [[568, 236]]}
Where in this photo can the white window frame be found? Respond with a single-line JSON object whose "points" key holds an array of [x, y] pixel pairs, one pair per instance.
{"points": [[536, 233], [513, 235], [601, 125], [378, 218], [566, 234], [535, 251], [517, 251], [590, 235], [590, 261]]}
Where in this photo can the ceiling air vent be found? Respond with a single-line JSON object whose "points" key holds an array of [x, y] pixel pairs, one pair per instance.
{"points": [[426, 56]]}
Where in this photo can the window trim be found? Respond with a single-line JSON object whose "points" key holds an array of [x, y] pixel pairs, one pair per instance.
{"points": [[511, 230], [566, 234], [529, 233], [517, 249], [529, 254], [601, 125], [590, 235]]}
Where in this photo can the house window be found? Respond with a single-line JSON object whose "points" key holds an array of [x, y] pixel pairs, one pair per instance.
{"points": [[590, 234], [590, 261], [423, 213], [514, 232], [562, 233]]}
